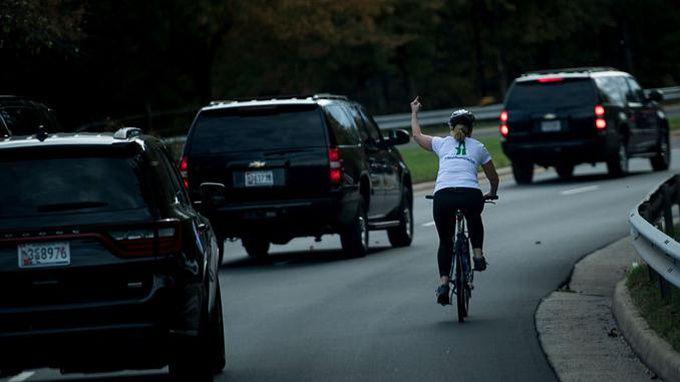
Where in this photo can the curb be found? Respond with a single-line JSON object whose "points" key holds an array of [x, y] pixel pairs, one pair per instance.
{"points": [[655, 352]]}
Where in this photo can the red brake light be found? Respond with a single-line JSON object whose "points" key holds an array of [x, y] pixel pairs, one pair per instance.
{"points": [[161, 238], [184, 171], [600, 123], [599, 110], [504, 130], [504, 116], [335, 162], [550, 79]]}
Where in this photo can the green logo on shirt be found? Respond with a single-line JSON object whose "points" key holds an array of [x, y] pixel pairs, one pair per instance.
{"points": [[460, 150]]}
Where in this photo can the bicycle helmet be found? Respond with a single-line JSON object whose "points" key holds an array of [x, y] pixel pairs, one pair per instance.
{"points": [[461, 117]]}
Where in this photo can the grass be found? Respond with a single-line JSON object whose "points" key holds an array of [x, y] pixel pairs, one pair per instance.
{"points": [[661, 314], [424, 164], [674, 123]]}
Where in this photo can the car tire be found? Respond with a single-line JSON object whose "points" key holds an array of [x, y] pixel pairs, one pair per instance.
{"points": [[402, 236], [256, 248], [617, 165], [661, 161], [216, 336], [194, 358], [565, 171], [523, 172], [355, 237], [220, 248]]}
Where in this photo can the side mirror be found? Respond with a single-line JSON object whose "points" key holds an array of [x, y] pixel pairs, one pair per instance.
{"points": [[655, 96], [399, 137], [212, 195]]}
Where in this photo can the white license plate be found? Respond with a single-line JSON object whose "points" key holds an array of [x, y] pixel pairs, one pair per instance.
{"points": [[259, 178], [38, 255], [551, 126]]}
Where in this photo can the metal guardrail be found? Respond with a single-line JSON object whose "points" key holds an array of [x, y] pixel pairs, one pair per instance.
{"points": [[653, 230]]}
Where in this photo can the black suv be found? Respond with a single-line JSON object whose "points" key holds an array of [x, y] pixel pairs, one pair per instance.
{"points": [[21, 116], [104, 264], [565, 117], [306, 166]]}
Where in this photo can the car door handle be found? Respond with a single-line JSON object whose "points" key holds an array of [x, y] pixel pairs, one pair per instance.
{"points": [[202, 227]]}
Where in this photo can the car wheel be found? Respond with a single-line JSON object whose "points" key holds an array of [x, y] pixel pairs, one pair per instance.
{"points": [[216, 336], [661, 161], [220, 247], [193, 358], [355, 236], [565, 171], [523, 172], [402, 236], [256, 248], [617, 166]]}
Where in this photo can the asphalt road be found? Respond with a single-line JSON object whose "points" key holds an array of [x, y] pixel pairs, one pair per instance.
{"points": [[307, 314]]}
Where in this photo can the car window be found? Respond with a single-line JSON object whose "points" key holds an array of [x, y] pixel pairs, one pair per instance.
{"points": [[371, 126], [534, 95], [612, 89], [257, 129], [359, 123], [175, 179], [66, 184], [22, 120], [635, 92], [342, 126]]}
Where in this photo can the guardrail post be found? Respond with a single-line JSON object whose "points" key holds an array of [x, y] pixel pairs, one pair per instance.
{"points": [[667, 212]]}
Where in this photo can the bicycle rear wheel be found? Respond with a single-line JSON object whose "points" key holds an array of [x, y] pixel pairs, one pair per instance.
{"points": [[462, 292]]}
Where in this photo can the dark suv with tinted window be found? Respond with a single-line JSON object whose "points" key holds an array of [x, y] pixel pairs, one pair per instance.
{"points": [[565, 117], [104, 264], [308, 166]]}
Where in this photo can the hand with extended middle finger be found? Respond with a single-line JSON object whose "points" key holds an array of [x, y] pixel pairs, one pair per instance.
{"points": [[415, 105]]}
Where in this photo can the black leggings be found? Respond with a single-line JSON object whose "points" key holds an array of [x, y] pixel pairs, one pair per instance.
{"points": [[446, 202]]}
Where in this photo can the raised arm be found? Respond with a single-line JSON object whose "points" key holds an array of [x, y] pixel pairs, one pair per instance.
{"points": [[491, 174], [424, 141]]}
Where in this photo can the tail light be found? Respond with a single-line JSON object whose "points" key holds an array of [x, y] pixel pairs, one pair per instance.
{"points": [[546, 80], [601, 123], [504, 123], [599, 111], [184, 171], [335, 161], [504, 130], [160, 238]]}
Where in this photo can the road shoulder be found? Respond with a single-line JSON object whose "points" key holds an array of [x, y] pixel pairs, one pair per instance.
{"points": [[576, 327]]}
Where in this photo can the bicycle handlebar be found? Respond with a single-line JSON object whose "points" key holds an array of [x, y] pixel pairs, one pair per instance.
{"points": [[489, 200]]}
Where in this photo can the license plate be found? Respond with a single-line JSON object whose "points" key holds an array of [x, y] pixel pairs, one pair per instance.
{"points": [[40, 255], [259, 178], [551, 126]]}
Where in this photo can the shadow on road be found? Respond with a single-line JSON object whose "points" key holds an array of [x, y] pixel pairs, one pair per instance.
{"points": [[585, 178], [297, 258]]}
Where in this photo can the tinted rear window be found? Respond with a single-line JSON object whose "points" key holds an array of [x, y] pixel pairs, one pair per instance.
{"points": [[62, 185], [552, 95], [261, 128]]}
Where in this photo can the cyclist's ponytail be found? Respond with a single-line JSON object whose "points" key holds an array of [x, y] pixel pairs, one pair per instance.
{"points": [[459, 132]]}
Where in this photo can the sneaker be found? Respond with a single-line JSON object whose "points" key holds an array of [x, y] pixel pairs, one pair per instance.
{"points": [[443, 295], [480, 263]]}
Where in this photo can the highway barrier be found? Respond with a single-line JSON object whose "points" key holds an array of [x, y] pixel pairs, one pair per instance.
{"points": [[654, 233]]}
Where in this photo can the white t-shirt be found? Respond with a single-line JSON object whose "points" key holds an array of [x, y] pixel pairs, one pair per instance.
{"points": [[459, 162]]}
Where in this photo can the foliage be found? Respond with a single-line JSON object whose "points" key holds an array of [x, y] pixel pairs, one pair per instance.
{"points": [[106, 58]]}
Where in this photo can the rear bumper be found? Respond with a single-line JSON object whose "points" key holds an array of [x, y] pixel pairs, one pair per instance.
{"points": [[284, 219], [557, 152], [96, 336]]}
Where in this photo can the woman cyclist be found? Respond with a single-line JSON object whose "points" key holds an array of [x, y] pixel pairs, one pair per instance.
{"points": [[457, 187]]}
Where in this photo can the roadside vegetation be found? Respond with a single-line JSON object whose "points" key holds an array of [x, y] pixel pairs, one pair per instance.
{"points": [[662, 314]]}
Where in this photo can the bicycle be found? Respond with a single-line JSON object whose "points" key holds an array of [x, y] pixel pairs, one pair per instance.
{"points": [[461, 276]]}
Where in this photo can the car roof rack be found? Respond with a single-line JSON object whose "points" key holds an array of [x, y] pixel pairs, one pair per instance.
{"points": [[282, 97], [585, 69], [127, 133]]}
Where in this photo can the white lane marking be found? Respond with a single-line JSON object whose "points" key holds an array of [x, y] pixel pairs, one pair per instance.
{"points": [[22, 377], [580, 190], [430, 224]]}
